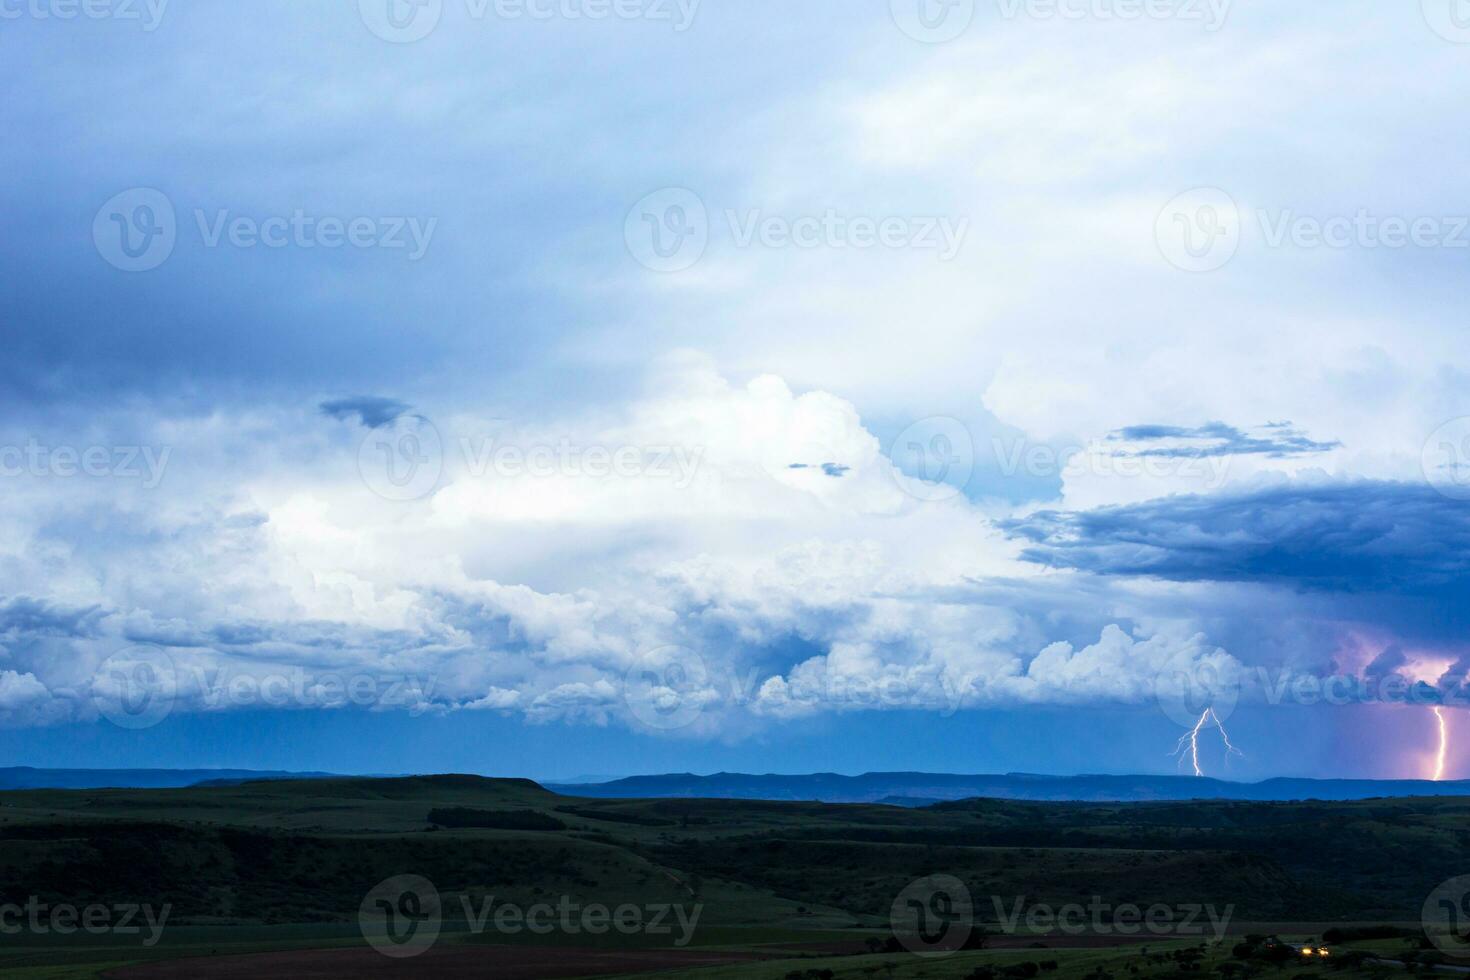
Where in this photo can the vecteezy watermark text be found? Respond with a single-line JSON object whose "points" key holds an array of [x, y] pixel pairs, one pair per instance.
{"points": [[571, 918], [407, 21], [832, 229], [147, 13], [139, 686], [566, 459], [138, 229], [935, 916], [1363, 229], [144, 463], [403, 916], [302, 230], [1021, 456], [220, 688], [670, 230], [939, 21], [1203, 229], [1211, 14], [1100, 918], [1345, 689], [39, 918]]}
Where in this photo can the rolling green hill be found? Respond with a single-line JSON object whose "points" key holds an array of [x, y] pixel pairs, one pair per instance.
{"points": [[303, 854]]}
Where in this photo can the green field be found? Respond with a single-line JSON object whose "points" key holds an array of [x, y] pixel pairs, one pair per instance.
{"points": [[286, 865]]}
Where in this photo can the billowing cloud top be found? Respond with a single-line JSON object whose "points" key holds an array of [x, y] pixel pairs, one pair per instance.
{"points": [[464, 366]]}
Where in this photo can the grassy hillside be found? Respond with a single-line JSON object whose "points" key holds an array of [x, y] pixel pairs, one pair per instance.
{"points": [[288, 863]]}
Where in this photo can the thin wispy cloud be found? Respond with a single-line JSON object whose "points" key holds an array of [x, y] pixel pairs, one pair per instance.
{"points": [[1277, 440]]}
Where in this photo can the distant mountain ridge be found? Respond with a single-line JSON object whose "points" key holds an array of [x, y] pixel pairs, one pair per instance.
{"points": [[907, 789], [919, 789], [25, 777]]}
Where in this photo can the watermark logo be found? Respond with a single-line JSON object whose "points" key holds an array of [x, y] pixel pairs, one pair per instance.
{"points": [[407, 21], [1199, 230], [136, 687], [1446, 916], [140, 685], [1189, 692], [667, 688], [1199, 697], [220, 687], [401, 917], [668, 230], [1202, 230], [933, 21], [934, 458], [933, 916], [401, 21], [136, 230], [1450, 19], [402, 460], [1445, 458]]}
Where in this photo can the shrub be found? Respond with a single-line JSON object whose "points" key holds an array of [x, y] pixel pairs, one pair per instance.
{"points": [[458, 816]]}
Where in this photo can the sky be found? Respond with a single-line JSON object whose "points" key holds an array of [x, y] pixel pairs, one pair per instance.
{"points": [[572, 388]]}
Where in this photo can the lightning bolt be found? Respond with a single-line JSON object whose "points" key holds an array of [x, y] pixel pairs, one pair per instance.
{"points": [[1189, 741], [1444, 743]]}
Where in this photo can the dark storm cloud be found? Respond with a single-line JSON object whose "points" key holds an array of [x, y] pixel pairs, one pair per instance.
{"points": [[220, 322], [1387, 663], [1355, 537], [370, 410], [310, 641], [836, 470], [25, 616], [1275, 440]]}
